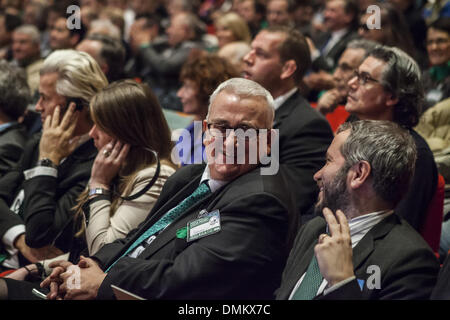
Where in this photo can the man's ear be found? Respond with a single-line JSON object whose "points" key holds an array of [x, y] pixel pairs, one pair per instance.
{"points": [[288, 69], [391, 101], [359, 173]]}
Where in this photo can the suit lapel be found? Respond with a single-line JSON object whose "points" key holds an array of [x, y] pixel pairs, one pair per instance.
{"points": [[365, 247]]}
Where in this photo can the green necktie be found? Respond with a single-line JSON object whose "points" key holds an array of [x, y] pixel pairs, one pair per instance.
{"points": [[307, 290], [201, 192]]}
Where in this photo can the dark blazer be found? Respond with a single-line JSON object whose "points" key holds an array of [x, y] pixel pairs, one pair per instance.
{"points": [[242, 261], [12, 141], [414, 205], [304, 137], [329, 61], [407, 264], [442, 289], [46, 208]]}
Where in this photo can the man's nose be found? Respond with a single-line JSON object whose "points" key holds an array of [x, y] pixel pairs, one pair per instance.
{"points": [[248, 58]]}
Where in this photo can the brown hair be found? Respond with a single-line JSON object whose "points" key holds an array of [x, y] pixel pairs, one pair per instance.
{"points": [[207, 71], [130, 112], [294, 47]]}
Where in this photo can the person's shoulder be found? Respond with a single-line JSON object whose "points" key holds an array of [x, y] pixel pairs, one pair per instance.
{"points": [[402, 237], [255, 183]]}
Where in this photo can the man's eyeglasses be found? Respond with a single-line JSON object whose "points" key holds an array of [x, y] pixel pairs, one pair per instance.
{"points": [[220, 130], [363, 77]]}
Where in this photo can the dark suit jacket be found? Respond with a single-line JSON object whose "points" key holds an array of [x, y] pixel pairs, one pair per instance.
{"points": [[329, 61], [242, 261], [12, 141], [414, 205], [442, 289], [304, 137], [46, 210], [407, 264]]}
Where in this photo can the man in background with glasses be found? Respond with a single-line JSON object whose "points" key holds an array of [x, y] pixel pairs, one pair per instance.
{"points": [[387, 86]]}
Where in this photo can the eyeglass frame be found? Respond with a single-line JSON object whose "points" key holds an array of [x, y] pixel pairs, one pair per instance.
{"points": [[226, 130], [363, 81]]}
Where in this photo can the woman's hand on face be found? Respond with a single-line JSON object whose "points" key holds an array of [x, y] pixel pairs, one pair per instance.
{"points": [[107, 164]]}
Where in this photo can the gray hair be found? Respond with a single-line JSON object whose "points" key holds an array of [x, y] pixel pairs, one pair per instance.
{"points": [[105, 27], [364, 44], [402, 78], [79, 74], [31, 31], [14, 91], [245, 88], [389, 149]]}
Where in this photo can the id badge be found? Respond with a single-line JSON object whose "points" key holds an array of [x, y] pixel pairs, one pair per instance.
{"points": [[203, 226]]}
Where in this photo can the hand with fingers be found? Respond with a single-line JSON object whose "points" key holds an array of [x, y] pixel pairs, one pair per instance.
{"points": [[90, 279], [54, 280], [107, 164], [328, 101], [58, 141], [334, 252]]}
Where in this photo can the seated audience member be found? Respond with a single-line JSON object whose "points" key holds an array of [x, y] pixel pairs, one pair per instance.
{"points": [[393, 31], [436, 79], [37, 196], [278, 60], [14, 98], [8, 22], [27, 54], [253, 12], [161, 60], [235, 52], [280, 13], [351, 58], [387, 86], [442, 289], [126, 177], [249, 211], [62, 37], [199, 77], [230, 27], [360, 249], [340, 20], [109, 54]]}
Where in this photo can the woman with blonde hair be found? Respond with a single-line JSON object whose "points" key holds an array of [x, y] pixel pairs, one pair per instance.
{"points": [[230, 27]]}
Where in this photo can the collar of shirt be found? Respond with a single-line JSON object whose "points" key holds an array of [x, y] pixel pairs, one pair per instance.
{"points": [[359, 226], [213, 184], [5, 126], [282, 99]]}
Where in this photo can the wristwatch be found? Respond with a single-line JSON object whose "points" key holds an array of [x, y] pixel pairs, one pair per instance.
{"points": [[46, 162], [98, 191]]}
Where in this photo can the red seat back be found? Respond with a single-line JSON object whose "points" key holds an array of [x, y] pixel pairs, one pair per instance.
{"points": [[432, 226]]}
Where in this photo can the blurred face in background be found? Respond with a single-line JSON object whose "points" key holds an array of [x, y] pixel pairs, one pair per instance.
{"points": [[278, 13], [23, 47], [438, 46], [188, 94]]}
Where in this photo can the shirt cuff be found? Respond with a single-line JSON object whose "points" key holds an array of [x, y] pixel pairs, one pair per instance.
{"points": [[338, 285], [10, 236], [40, 171]]}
